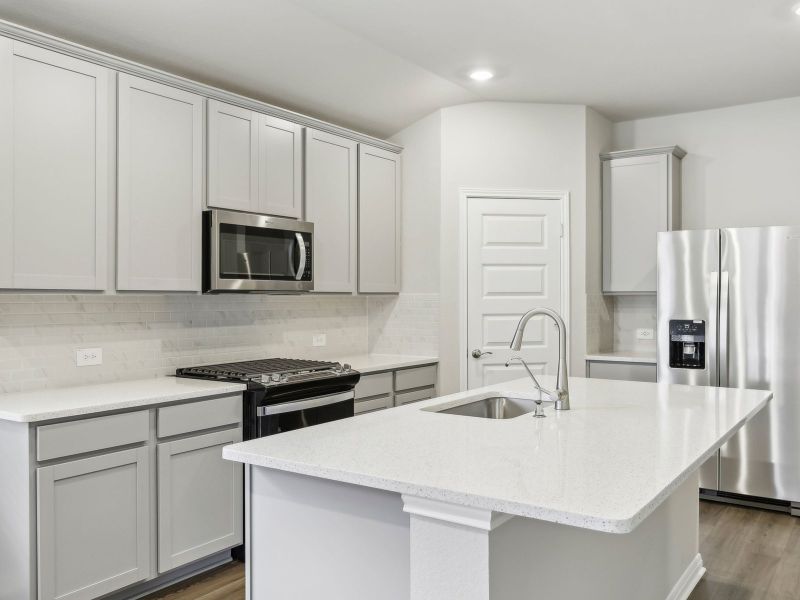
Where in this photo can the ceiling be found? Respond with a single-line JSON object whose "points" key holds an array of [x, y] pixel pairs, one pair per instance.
{"points": [[379, 65]]}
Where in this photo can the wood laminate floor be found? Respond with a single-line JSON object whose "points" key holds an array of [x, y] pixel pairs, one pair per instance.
{"points": [[750, 555]]}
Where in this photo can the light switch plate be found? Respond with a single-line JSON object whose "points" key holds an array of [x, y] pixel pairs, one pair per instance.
{"points": [[644, 334], [319, 339], [87, 357]]}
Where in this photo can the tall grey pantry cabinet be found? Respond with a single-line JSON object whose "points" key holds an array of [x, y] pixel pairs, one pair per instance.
{"points": [[56, 169]]}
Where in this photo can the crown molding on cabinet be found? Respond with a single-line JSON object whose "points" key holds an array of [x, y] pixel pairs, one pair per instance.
{"points": [[24, 34], [676, 151]]}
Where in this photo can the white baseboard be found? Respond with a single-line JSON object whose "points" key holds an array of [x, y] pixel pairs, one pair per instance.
{"points": [[691, 576]]}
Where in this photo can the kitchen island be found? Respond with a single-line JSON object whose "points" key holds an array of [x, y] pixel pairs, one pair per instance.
{"points": [[596, 502]]}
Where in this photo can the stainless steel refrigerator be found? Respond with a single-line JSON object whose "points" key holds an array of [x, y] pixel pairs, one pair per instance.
{"points": [[729, 315]]}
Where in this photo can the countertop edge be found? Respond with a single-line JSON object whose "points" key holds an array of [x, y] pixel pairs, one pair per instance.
{"points": [[142, 402]]}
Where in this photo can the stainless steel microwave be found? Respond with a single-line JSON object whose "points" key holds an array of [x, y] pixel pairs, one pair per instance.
{"points": [[248, 252]]}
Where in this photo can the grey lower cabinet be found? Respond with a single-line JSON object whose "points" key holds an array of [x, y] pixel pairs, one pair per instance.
{"points": [[623, 371], [115, 503], [93, 525], [199, 498], [376, 391]]}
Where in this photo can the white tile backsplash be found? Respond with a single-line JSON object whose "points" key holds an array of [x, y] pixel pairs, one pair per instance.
{"points": [[631, 313], [148, 336], [404, 324]]}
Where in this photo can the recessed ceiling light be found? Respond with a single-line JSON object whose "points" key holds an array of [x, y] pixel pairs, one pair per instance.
{"points": [[481, 75]]}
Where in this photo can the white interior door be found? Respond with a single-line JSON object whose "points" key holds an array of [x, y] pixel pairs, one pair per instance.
{"points": [[514, 255]]}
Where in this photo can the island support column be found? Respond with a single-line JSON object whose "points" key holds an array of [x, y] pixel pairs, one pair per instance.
{"points": [[449, 549]]}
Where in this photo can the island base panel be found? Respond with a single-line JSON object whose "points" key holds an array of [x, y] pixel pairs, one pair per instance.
{"points": [[312, 537]]}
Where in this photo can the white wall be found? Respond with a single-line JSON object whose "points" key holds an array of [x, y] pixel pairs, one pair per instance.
{"points": [[422, 149], [510, 145], [742, 162]]}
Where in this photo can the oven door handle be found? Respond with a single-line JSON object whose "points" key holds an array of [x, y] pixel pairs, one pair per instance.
{"points": [[301, 267], [296, 405]]}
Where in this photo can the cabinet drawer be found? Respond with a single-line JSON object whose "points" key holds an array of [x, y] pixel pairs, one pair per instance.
{"points": [[401, 398], [195, 416], [371, 404], [406, 379], [374, 385], [88, 435], [622, 371]]}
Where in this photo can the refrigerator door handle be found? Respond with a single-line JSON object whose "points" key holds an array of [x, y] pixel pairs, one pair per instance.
{"points": [[724, 297], [711, 342]]}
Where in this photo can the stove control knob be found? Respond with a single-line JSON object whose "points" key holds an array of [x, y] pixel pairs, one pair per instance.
{"points": [[346, 367], [275, 378], [284, 378]]}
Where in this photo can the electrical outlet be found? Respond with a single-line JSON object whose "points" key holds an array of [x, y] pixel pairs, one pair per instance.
{"points": [[319, 339], [644, 334], [87, 357]]}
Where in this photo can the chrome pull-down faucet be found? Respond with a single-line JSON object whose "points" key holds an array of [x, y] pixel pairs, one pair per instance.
{"points": [[561, 394]]}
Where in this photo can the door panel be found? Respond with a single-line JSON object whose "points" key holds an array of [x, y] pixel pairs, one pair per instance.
{"points": [[331, 205], [763, 352], [93, 525], [199, 499], [55, 165], [513, 265], [280, 166], [688, 289], [160, 187], [232, 157]]}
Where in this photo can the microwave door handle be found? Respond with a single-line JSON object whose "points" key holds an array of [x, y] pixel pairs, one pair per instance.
{"points": [[301, 268]]}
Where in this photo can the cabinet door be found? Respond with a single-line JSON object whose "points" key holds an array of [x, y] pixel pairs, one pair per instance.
{"points": [[378, 220], [280, 167], [55, 161], [93, 525], [160, 187], [232, 157], [199, 499], [331, 205], [635, 209], [621, 371]]}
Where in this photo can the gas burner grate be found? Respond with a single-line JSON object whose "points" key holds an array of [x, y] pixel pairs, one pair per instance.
{"points": [[252, 369]]}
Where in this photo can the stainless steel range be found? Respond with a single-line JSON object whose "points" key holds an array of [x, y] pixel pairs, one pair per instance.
{"points": [[285, 394]]}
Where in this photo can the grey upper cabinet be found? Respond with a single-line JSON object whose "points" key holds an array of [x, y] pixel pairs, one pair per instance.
{"points": [[641, 196], [331, 204], [56, 169], [232, 157], [199, 498], [93, 525], [255, 161], [160, 171], [379, 217]]}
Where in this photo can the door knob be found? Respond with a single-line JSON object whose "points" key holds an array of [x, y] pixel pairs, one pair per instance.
{"points": [[477, 353]]}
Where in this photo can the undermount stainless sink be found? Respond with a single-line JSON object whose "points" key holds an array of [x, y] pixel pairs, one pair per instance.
{"points": [[495, 407]]}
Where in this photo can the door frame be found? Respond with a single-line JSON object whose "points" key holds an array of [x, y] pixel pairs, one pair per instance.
{"points": [[467, 194]]}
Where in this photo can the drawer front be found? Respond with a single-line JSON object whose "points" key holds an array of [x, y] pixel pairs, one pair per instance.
{"points": [[401, 398], [406, 379], [622, 371], [196, 416], [376, 403], [89, 435], [374, 385]]}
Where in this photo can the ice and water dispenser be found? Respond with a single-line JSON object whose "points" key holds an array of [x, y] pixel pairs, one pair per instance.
{"points": [[687, 344]]}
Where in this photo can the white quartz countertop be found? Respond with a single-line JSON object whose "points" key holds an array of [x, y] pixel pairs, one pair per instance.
{"points": [[43, 405], [374, 363], [604, 465], [631, 356]]}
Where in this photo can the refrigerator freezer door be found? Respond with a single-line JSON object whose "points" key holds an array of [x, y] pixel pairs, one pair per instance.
{"points": [[763, 352], [688, 290]]}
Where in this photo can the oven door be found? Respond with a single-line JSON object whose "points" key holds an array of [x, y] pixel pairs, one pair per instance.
{"points": [[295, 414], [247, 252]]}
